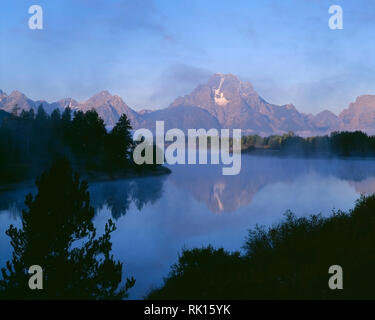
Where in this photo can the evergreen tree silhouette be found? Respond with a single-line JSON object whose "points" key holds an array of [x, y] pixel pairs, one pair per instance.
{"points": [[58, 234], [120, 142]]}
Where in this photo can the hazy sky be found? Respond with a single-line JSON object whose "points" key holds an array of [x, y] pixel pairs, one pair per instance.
{"points": [[150, 52]]}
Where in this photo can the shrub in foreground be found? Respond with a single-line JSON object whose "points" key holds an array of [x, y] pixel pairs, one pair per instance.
{"points": [[289, 260]]}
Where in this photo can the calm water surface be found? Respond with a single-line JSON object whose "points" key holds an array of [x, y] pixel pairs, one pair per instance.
{"points": [[196, 205]]}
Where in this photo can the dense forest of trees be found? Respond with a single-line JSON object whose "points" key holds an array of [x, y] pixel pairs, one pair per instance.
{"points": [[290, 260], [30, 142], [58, 235], [338, 144]]}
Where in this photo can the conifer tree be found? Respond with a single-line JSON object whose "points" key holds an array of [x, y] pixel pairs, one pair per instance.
{"points": [[58, 234]]}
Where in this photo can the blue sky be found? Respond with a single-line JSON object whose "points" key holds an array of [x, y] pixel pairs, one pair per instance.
{"points": [[150, 52]]}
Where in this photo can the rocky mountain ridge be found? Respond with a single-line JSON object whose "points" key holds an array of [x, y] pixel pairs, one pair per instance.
{"points": [[223, 102]]}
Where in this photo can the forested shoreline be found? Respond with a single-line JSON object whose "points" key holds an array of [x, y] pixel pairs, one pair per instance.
{"points": [[30, 142], [337, 144]]}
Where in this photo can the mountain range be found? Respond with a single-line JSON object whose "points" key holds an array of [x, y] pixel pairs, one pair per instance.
{"points": [[223, 102]]}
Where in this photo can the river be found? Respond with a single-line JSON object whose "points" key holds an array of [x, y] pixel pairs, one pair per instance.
{"points": [[196, 205]]}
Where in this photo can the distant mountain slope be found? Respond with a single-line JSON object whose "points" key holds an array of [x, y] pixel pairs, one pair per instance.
{"points": [[18, 100], [325, 121], [223, 102], [181, 117], [237, 105], [109, 107], [360, 115]]}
